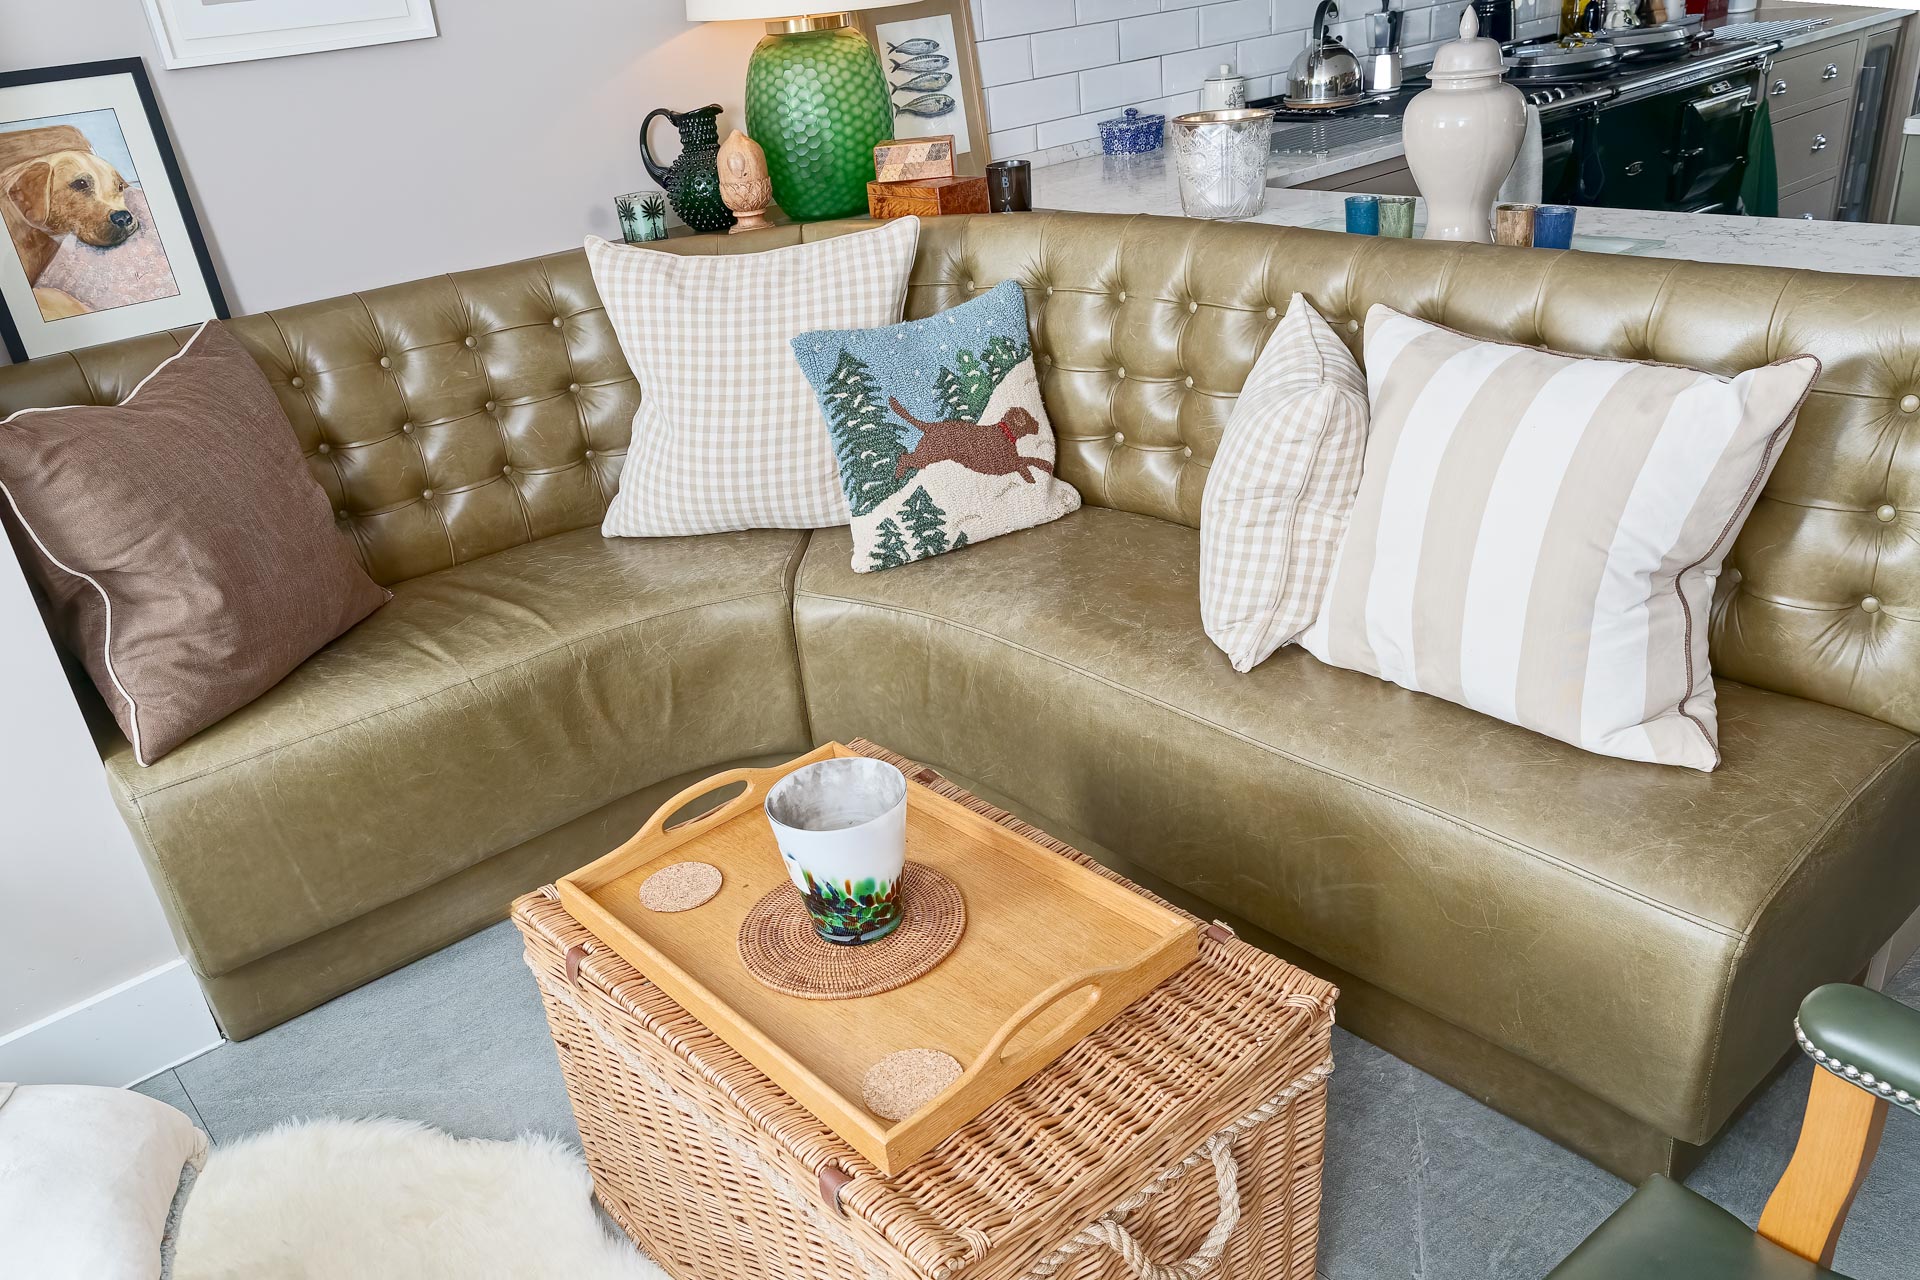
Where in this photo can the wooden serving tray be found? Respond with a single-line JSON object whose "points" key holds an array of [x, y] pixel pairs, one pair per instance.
{"points": [[1051, 953]]}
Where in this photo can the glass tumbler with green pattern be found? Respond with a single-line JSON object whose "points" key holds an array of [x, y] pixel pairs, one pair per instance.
{"points": [[817, 104]]}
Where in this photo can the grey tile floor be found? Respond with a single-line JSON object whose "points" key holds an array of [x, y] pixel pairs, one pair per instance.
{"points": [[1421, 1182]]}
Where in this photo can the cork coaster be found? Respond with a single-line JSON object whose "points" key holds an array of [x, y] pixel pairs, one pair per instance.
{"points": [[901, 1083], [780, 948], [680, 887]]}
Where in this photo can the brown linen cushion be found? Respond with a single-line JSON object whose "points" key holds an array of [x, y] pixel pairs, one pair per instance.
{"points": [[188, 558]]}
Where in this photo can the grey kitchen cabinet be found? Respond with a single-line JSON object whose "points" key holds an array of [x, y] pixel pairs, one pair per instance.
{"points": [[1830, 102]]}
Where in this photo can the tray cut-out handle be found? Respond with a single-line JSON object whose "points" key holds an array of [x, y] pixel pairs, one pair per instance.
{"points": [[1090, 987], [757, 781]]}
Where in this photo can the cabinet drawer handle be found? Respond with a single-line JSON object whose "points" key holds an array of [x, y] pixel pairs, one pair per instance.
{"points": [[1831, 73], [1779, 87], [1819, 142], [1806, 217], [1637, 168]]}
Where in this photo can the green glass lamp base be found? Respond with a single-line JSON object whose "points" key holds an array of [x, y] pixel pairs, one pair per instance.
{"points": [[817, 104]]}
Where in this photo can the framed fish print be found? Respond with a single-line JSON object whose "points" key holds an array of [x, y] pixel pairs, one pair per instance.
{"points": [[926, 52], [102, 242]]}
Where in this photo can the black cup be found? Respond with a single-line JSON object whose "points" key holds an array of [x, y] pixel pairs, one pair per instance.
{"points": [[1010, 186]]}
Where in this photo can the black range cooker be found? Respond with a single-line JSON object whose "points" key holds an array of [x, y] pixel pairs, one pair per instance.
{"points": [[1640, 122]]}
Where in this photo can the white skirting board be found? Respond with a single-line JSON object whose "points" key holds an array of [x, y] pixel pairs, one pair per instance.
{"points": [[119, 1037]]}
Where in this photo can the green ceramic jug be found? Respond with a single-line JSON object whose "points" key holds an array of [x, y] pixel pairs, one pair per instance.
{"points": [[692, 181]]}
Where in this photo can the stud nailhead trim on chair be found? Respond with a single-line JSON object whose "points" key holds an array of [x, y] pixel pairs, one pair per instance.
{"points": [[1854, 1075]]}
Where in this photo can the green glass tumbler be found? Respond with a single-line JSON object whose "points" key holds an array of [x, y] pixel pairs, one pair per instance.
{"points": [[817, 104]]}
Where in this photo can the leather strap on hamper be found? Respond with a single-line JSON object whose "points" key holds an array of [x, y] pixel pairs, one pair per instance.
{"points": [[1106, 1230]]}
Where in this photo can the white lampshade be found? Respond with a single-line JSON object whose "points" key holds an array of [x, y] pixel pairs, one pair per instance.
{"points": [[759, 10]]}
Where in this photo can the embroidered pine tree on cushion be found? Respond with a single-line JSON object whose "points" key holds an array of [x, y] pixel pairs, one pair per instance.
{"points": [[938, 429]]}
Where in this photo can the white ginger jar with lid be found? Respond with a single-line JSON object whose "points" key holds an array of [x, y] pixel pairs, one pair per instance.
{"points": [[1462, 135]]}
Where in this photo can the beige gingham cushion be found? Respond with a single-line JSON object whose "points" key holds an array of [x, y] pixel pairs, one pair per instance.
{"points": [[1280, 488], [728, 434]]}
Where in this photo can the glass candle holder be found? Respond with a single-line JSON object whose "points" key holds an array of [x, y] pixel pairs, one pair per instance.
{"points": [[1363, 215], [1222, 160], [1396, 217], [1010, 186], [1513, 225], [1553, 226]]}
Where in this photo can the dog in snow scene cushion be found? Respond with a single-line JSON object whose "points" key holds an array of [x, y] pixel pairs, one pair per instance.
{"points": [[938, 429]]}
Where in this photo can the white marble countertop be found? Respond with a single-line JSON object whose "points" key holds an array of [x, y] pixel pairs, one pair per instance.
{"points": [[1147, 184], [1841, 18]]}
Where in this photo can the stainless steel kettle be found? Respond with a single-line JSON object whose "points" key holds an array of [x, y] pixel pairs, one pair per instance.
{"points": [[1326, 70]]}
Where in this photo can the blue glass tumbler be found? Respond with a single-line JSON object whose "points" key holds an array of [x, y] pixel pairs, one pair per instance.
{"points": [[1553, 226], [1363, 215]]}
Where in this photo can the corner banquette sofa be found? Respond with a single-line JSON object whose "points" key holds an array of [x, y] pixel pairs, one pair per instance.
{"points": [[1609, 951]]}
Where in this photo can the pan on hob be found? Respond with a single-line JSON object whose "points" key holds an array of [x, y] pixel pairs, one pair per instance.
{"points": [[1659, 43], [1562, 62]]}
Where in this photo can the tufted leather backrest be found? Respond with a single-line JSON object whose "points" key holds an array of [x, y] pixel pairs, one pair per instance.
{"points": [[446, 419], [456, 416]]}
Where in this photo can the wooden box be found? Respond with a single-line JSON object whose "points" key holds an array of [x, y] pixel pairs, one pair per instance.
{"points": [[913, 159], [1188, 1131], [928, 198]]}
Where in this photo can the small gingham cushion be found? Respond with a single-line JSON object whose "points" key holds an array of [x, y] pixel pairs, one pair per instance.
{"points": [[1280, 489], [729, 434]]}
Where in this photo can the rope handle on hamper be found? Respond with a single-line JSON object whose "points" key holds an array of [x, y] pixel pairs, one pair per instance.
{"points": [[1218, 1150], [1109, 1232]]}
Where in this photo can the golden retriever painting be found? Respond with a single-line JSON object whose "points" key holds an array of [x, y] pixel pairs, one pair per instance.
{"points": [[77, 217]]}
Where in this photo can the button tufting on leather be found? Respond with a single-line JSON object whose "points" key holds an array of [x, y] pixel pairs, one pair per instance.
{"points": [[506, 471], [1869, 604], [472, 343], [1187, 451], [341, 514], [556, 322], [1119, 437], [1908, 403], [1353, 326], [574, 387], [406, 428], [1189, 379], [1049, 291], [325, 447], [296, 382], [1123, 295], [1192, 306], [1272, 312], [385, 363], [1121, 372], [589, 453], [426, 493], [490, 406], [1886, 513]]}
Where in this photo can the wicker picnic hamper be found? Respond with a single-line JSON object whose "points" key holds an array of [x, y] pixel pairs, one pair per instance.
{"points": [[1182, 1140]]}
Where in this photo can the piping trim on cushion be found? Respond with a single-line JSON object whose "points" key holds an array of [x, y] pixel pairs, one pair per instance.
{"points": [[106, 643]]}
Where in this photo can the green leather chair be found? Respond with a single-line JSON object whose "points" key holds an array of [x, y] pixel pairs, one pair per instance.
{"points": [[1868, 1049]]}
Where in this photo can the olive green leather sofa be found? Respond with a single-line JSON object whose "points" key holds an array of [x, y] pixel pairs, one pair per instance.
{"points": [[1610, 952]]}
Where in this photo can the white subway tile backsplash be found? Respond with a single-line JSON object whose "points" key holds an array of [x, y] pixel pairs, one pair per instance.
{"points": [[1414, 26], [1234, 20], [1012, 142], [1075, 48], [1031, 101], [1152, 34], [1180, 72], [1293, 15], [1181, 103], [1004, 61], [1540, 27], [1058, 133], [1268, 54], [1105, 10], [1126, 82], [1019, 17]]}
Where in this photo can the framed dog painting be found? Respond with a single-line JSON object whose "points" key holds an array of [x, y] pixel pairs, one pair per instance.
{"points": [[102, 241]]}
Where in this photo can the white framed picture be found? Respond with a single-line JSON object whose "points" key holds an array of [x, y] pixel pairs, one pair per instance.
{"points": [[102, 241], [200, 33]]}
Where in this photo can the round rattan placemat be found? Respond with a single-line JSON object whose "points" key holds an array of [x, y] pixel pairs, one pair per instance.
{"points": [[780, 948]]}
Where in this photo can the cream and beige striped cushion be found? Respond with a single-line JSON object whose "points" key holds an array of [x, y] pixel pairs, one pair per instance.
{"points": [[1537, 536], [728, 434], [1279, 489]]}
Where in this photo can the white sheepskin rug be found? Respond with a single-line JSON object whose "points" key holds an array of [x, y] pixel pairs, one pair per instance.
{"points": [[372, 1199]]}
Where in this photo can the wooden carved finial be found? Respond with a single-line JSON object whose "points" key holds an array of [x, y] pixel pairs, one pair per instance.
{"points": [[744, 184]]}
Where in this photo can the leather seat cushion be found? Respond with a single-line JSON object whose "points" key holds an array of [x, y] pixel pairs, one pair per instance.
{"points": [[485, 705], [1590, 914], [1666, 1230]]}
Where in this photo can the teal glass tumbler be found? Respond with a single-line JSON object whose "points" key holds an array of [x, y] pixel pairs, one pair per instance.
{"points": [[817, 104], [1363, 215]]}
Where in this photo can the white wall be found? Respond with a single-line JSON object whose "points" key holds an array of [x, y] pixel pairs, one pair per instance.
{"points": [[508, 135]]}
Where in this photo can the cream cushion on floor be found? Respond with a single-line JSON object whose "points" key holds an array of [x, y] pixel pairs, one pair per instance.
{"points": [[87, 1176], [728, 434], [1537, 535], [1280, 488]]}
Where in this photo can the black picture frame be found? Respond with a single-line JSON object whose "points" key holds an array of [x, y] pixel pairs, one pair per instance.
{"points": [[135, 68]]}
